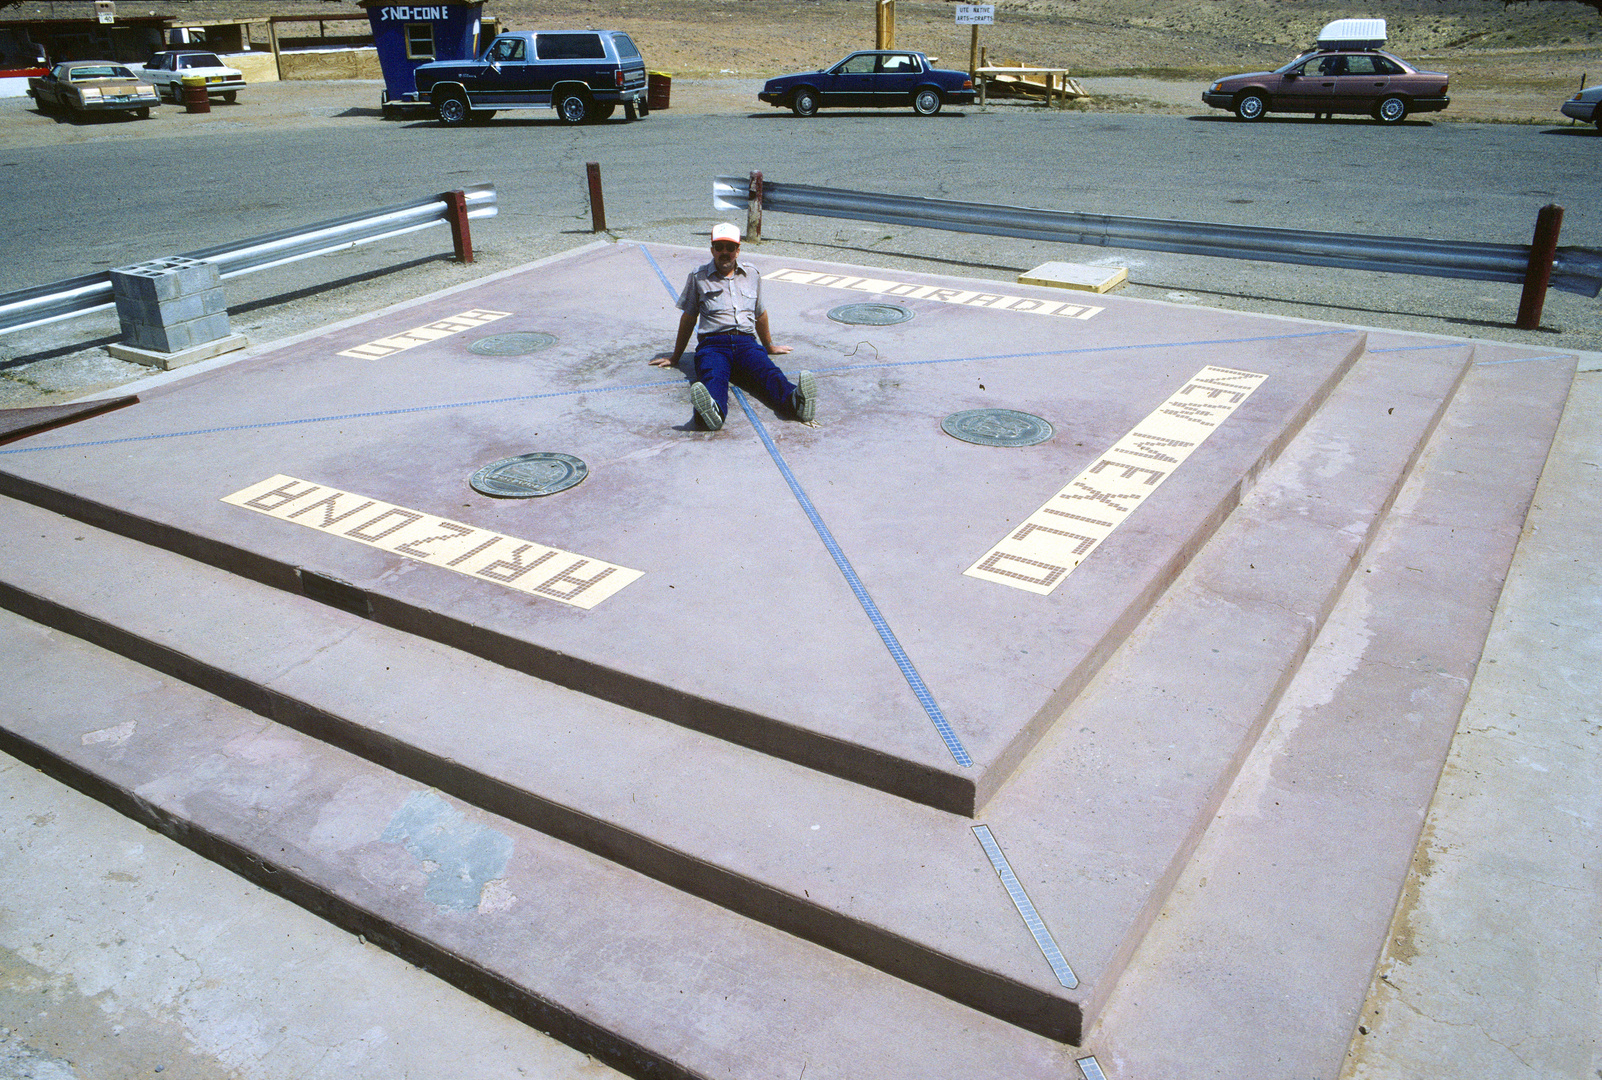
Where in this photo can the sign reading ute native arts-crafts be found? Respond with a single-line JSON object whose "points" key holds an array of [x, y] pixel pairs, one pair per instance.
{"points": [[976, 14]]}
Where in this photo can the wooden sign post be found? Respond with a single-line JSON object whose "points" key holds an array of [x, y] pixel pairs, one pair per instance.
{"points": [[884, 24]]}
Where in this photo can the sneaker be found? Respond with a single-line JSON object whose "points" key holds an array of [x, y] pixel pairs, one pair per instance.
{"points": [[805, 399], [705, 407]]}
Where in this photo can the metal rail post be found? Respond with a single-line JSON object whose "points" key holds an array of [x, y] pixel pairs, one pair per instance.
{"points": [[456, 215], [753, 209], [597, 203], [1543, 249]]}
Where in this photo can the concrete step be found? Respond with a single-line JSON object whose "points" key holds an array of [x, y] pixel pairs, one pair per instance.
{"points": [[1257, 964], [889, 882], [732, 561], [172, 967], [643, 976], [860, 871]]}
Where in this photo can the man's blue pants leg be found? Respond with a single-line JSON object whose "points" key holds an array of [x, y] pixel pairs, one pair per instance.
{"points": [[719, 357]]}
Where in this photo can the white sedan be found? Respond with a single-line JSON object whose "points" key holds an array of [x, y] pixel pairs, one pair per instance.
{"points": [[167, 71], [1583, 106]]}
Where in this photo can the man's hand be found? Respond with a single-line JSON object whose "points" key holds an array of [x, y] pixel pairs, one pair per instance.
{"points": [[663, 360], [778, 350]]}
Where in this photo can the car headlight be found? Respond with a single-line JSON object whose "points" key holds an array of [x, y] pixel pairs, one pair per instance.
{"points": [[1217, 86]]}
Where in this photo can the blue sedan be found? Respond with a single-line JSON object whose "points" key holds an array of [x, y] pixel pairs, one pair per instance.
{"points": [[872, 80]]}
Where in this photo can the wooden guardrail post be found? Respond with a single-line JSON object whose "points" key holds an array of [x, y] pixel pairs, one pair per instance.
{"points": [[1543, 249], [597, 203], [753, 209], [456, 214]]}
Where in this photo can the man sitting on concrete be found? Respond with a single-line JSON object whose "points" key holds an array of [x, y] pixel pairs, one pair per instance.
{"points": [[723, 300]]}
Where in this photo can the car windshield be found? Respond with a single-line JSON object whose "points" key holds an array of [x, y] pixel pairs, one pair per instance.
{"points": [[860, 64], [199, 60], [99, 71], [507, 49]]}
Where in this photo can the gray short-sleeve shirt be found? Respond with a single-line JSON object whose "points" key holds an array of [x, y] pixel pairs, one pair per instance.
{"points": [[723, 304]]}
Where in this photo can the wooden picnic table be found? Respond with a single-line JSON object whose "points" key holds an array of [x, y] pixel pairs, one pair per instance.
{"points": [[1052, 77]]}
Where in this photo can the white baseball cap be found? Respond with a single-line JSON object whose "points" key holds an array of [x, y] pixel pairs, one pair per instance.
{"points": [[725, 231]]}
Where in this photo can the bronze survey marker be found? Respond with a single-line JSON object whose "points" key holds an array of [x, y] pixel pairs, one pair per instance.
{"points": [[804, 590]]}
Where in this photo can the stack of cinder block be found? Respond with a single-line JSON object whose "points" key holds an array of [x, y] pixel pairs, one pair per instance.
{"points": [[172, 312]]}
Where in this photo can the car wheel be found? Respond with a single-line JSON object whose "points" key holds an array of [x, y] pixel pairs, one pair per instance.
{"points": [[143, 114], [573, 109], [453, 110], [926, 102], [602, 112], [1250, 106], [481, 116], [1391, 110], [804, 103], [230, 96], [176, 92]]}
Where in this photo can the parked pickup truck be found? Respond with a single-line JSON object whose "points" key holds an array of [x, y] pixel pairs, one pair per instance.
{"points": [[83, 86], [584, 75], [168, 70]]}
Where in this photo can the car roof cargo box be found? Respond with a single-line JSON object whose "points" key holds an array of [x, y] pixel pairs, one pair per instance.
{"points": [[1352, 34]]}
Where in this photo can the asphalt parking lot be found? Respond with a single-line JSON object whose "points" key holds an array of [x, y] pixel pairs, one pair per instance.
{"points": [[180, 182]]}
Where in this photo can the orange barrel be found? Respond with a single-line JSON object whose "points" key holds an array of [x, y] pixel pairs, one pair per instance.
{"points": [[659, 88]]}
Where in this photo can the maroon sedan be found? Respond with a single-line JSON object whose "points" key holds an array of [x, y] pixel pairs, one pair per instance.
{"points": [[1353, 81]]}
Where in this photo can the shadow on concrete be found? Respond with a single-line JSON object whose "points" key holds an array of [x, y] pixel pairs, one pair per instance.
{"points": [[786, 114], [278, 299], [1493, 324], [1222, 117], [52, 354]]}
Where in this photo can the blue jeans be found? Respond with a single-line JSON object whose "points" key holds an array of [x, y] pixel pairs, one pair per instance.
{"points": [[718, 356]]}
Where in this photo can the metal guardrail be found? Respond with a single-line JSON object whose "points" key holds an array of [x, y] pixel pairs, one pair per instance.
{"points": [[1574, 269], [68, 299]]}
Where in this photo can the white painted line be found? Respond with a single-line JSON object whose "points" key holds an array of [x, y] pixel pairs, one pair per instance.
{"points": [[1054, 540], [422, 335], [906, 290], [535, 569]]}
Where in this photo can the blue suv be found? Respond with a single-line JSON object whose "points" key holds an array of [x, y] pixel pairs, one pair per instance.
{"points": [[583, 74]]}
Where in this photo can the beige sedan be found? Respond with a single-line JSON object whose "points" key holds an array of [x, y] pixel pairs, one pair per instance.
{"points": [[87, 86]]}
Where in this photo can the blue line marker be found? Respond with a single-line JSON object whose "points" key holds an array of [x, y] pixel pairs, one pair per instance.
{"points": [[344, 416], [914, 680], [1026, 908], [1525, 360], [1083, 350], [1421, 348], [666, 284]]}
